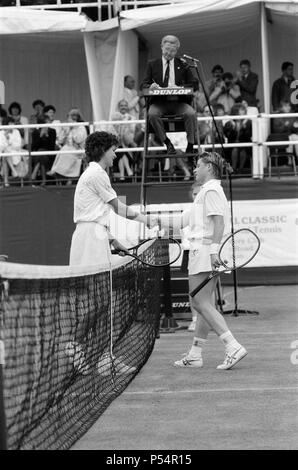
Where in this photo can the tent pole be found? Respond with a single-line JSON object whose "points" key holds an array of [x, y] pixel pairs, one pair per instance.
{"points": [[99, 10], [125, 63], [93, 76], [264, 123], [265, 59], [118, 74]]}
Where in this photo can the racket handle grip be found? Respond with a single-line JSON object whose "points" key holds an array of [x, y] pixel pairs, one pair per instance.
{"points": [[116, 252], [200, 286]]}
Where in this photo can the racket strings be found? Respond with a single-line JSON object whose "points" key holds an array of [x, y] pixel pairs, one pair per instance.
{"points": [[170, 252], [239, 249]]}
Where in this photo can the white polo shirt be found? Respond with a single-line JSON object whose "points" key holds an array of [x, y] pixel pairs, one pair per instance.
{"points": [[210, 200], [92, 194]]}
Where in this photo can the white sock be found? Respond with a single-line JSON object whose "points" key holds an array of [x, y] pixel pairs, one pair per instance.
{"points": [[197, 346], [229, 341]]}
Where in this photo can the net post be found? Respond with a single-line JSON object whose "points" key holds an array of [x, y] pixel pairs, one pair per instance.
{"points": [[3, 432], [168, 323], [3, 436]]}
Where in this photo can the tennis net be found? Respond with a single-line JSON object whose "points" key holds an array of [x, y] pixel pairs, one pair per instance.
{"points": [[73, 343]]}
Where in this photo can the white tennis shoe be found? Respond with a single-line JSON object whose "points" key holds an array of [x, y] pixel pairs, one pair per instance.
{"points": [[189, 361], [231, 358]]}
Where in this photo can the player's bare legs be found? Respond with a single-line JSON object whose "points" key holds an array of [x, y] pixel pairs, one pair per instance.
{"points": [[203, 303], [209, 318]]}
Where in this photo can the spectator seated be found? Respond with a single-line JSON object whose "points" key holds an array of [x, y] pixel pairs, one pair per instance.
{"points": [[125, 133], [43, 138], [130, 95], [239, 131], [283, 129], [71, 138], [227, 93], [15, 112], [11, 142]]}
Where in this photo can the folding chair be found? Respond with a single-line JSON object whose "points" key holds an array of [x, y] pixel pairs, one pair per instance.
{"points": [[275, 153]]}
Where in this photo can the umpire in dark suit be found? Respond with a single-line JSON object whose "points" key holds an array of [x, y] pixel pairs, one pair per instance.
{"points": [[170, 71]]}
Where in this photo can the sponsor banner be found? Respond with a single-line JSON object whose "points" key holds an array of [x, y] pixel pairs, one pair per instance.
{"points": [[276, 224], [274, 221]]}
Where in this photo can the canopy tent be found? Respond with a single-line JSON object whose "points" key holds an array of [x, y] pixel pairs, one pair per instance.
{"points": [[223, 31], [111, 55], [203, 13], [42, 56], [21, 21], [47, 66], [55, 45], [64, 59]]}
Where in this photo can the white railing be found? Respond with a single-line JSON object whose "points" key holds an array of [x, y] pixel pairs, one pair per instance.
{"points": [[66, 5], [126, 4], [99, 4], [113, 6], [259, 146]]}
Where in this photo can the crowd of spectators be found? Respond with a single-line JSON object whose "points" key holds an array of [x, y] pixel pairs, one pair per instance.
{"points": [[65, 166], [228, 95]]}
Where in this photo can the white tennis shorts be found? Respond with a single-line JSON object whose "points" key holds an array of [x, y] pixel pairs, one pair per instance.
{"points": [[90, 245], [199, 260]]}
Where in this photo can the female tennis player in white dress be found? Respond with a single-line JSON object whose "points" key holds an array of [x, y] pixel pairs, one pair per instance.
{"points": [[208, 221], [91, 240], [93, 200]]}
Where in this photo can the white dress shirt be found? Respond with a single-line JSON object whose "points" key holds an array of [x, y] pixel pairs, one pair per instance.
{"points": [[172, 71]]}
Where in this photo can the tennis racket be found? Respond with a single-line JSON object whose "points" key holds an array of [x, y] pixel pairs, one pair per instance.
{"points": [[135, 253], [236, 252]]}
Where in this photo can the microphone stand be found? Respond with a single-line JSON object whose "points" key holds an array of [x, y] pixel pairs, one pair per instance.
{"points": [[235, 312]]}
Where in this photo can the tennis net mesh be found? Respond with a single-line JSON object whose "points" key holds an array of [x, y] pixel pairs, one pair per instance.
{"points": [[72, 344]]}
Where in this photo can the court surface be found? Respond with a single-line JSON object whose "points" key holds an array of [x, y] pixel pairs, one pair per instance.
{"points": [[252, 406]]}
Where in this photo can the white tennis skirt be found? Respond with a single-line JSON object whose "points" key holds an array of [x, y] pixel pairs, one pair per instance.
{"points": [[199, 260], [90, 245]]}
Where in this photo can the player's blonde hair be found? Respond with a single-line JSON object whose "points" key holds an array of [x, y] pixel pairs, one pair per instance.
{"points": [[216, 161]]}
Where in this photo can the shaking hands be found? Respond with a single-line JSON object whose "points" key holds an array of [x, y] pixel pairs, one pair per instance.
{"points": [[152, 220]]}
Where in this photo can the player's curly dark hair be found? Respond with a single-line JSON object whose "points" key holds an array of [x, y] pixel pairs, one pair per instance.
{"points": [[98, 143]]}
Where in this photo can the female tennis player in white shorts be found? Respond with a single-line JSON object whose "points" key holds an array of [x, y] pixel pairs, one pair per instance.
{"points": [[93, 200], [208, 222], [195, 188]]}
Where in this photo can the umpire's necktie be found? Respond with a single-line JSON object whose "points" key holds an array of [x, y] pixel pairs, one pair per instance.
{"points": [[167, 74]]}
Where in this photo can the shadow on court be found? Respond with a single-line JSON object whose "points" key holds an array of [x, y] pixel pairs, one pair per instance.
{"points": [[252, 406]]}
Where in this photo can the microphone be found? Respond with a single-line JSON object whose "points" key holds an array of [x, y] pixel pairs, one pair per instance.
{"points": [[189, 58], [186, 63]]}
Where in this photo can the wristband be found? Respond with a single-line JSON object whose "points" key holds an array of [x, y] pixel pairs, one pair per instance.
{"points": [[214, 248]]}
